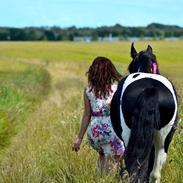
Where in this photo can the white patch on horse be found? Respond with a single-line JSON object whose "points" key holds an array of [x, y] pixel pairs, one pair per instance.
{"points": [[126, 131], [160, 154]]}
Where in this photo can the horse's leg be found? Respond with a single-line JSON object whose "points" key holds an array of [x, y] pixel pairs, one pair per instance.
{"points": [[160, 155], [160, 158]]}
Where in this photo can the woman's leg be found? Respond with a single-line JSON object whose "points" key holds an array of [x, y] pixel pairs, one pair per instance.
{"points": [[107, 164], [117, 159], [120, 167], [101, 163], [104, 163]]}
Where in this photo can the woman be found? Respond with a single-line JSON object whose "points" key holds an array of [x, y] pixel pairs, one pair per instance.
{"points": [[97, 97]]}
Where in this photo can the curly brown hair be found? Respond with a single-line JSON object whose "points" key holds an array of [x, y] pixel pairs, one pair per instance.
{"points": [[101, 75]]}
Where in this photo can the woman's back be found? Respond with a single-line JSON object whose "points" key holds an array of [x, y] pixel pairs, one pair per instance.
{"points": [[100, 106], [100, 133]]}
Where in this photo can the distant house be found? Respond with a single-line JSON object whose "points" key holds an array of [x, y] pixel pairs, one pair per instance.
{"points": [[134, 39], [171, 38], [82, 39], [109, 39]]}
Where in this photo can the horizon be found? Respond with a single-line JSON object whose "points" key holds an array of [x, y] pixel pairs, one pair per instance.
{"points": [[45, 26], [89, 13]]}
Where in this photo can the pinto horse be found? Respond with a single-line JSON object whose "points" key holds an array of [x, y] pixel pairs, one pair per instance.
{"points": [[144, 115]]}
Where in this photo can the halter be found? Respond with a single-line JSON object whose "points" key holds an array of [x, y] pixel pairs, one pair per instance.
{"points": [[139, 69], [154, 68]]}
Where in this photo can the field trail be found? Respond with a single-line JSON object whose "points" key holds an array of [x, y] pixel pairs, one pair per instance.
{"points": [[55, 74]]}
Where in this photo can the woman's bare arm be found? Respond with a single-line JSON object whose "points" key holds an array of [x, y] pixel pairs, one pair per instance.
{"points": [[86, 117], [84, 123]]}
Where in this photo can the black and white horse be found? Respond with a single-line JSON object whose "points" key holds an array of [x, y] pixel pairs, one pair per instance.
{"points": [[144, 115]]}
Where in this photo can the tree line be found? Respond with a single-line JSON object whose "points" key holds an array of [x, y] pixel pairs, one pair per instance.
{"points": [[55, 33]]}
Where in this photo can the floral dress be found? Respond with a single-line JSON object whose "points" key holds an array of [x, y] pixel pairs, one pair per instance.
{"points": [[100, 132]]}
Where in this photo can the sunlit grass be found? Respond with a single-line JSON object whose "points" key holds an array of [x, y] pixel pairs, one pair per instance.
{"points": [[21, 88], [166, 51], [41, 151]]}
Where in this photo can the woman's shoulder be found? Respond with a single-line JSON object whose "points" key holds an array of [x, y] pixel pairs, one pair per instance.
{"points": [[114, 87], [88, 90]]}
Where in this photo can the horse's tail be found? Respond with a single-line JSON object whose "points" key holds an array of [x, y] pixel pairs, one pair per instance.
{"points": [[145, 118]]}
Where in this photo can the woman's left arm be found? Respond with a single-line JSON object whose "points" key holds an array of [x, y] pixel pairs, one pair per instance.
{"points": [[84, 123]]}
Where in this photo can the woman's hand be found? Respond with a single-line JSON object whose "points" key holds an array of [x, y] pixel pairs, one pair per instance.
{"points": [[76, 144]]}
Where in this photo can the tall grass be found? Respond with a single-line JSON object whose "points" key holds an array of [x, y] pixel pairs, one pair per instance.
{"points": [[21, 88], [41, 151]]}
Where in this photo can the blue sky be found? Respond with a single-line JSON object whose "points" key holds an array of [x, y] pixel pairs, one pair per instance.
{"points": [[91, 13]]}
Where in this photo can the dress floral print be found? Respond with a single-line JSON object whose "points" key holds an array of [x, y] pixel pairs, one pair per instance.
{"points": [[100, 132]]}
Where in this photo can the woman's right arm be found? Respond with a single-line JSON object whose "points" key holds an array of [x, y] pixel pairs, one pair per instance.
{"points": [[84, 123]]}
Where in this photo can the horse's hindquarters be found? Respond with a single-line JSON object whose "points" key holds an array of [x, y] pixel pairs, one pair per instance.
{"points": [[166, 100]]}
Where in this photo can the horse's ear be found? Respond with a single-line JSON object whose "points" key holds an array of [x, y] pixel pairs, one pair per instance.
{"points": [[133, 51], [149, 49]]}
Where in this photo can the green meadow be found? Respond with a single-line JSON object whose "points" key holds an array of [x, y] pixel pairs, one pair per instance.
{"points": [[41, 104]]}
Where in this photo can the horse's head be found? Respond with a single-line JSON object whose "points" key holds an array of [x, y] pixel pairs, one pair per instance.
{"points": [[144, 61]]}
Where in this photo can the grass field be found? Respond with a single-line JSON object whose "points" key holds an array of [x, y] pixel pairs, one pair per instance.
{"points": [[41, 106]]}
